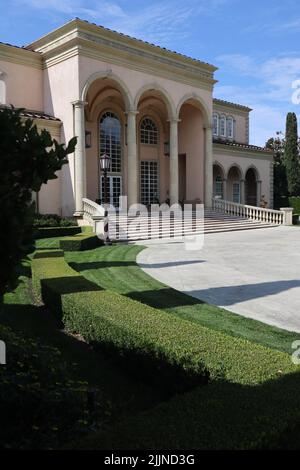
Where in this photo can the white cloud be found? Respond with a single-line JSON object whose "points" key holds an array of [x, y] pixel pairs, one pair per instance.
{"points": [[158, 21]]}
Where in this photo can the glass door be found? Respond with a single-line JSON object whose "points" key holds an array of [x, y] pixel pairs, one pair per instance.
{"points": [[113, 189], [149, 182]]}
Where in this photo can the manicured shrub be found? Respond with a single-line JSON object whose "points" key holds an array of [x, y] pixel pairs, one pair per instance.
{"points": [[49, 232], [53, 220], [155, 344], [221, 416], [83, 241]]}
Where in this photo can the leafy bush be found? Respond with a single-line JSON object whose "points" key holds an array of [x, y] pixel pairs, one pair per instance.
{"points": [[154, 344], [221, 416], [53, 220], [294, 202], [40, 405], [83, 241], [28, 159]]}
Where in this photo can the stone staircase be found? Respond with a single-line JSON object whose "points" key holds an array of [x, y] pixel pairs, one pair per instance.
{"points": [[159, 226]]}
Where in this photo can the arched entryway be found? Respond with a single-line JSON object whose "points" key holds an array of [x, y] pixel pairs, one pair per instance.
{"points": [[219, 187], [251, 187], [235, 185]]}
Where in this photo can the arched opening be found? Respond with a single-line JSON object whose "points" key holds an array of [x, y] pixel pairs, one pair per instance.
{"points": [[153, 133], [251, 187], [234, 178], [191, 138], [218, 181], [105, 123]]}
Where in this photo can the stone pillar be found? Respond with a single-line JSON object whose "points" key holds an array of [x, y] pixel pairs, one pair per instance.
{"points": [[132, 167], [225, 189], [242, 191], [288, 215], [79, 156], [208, 158], [174, 175], [258, 192]]}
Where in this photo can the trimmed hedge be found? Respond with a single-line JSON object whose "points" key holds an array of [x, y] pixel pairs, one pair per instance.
{"points": [[221, 416], [49, 232], [294, 202], [83, 241], [155, 344]]}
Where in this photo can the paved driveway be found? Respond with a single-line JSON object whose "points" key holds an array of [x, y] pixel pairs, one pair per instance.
{"points": [[255, 273]]}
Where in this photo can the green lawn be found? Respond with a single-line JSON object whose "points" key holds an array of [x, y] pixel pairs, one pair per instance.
{"points": [[115, 268]]}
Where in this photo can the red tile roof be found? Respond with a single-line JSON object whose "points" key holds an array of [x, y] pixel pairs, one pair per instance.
{"points": [[239, 145], [31, 114]]}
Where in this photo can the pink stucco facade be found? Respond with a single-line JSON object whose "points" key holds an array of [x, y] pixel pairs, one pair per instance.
{"points": [[83, 74]]}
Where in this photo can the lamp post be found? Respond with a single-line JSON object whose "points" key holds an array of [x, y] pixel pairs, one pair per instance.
{"points": [[105, 163]]}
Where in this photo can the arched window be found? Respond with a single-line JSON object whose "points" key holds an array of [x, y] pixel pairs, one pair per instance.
{"points": [[223, 126], [149, 132], [219, 186], [215, 124], [110, 140], [229, 127]]}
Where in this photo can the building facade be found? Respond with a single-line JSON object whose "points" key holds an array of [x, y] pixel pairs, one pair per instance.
{"points": [[152, 110]]}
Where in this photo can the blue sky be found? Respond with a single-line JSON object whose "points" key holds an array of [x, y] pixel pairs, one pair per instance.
{"points": [[254, 43]]}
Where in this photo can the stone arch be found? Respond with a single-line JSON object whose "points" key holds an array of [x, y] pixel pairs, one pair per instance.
{"points": [[165, 95], [218, 164], [205, 111], [238, 167], [115, 78]]}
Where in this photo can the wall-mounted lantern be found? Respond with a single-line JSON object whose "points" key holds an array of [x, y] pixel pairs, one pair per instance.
{"points": [[88, 139], [167, 149]]}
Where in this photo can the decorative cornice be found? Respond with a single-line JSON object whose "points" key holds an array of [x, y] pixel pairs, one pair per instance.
{"points": [[229, 104], [20, 56], [243, 151], [80, 37]]}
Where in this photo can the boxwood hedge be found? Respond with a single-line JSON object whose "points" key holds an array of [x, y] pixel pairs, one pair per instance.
{"points": [[49, 232], [83, 241], [221, 416], [153, 343]]}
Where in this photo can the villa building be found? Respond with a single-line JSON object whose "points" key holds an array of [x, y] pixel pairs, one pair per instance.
{"points": [[150, 109]]}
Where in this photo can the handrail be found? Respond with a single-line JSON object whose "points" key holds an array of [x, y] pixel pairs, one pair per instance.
{"points": [[261, 214], [91, 210]]}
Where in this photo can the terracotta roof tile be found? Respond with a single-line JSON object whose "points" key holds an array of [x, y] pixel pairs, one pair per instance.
{"points": [[235, 105], [239, 145], [31, 114]]}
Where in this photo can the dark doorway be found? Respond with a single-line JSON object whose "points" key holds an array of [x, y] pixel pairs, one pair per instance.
{"points": [[251, 187]]}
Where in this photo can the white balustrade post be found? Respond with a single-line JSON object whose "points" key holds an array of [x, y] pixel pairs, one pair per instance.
{"points": [[287, 215], [79, 156]]}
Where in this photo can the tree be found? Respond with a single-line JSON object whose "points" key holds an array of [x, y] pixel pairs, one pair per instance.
{"points": [[27, 160], [291, 155], [280, 180]]}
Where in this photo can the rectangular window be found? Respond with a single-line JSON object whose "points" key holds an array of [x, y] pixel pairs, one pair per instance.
{"points": [[149, 182]]}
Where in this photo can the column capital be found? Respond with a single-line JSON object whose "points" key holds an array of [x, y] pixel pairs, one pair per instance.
{"points": [[79, 103], [173, 120], [133, 112], [208, 127]]}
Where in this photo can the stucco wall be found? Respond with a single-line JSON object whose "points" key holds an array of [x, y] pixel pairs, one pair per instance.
{"points": [[244, 161], [24, 85]]}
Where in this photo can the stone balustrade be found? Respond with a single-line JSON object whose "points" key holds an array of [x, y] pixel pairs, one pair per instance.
{"points": [[283, 216]]}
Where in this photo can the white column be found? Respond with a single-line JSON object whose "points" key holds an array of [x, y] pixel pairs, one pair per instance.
{"points": [[79, 156], [132, 167], [242, 191], [225, 189], [258, 192], [174, 181], [208, 158]]}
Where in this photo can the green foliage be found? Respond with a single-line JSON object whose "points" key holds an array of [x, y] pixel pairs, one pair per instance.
{"points": [[291, 155], [27, 160], [83, 241], [53, 220], [41, 406], [294, 202], [280, 179], [52, 232], [152, 343], [221, 416]]}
